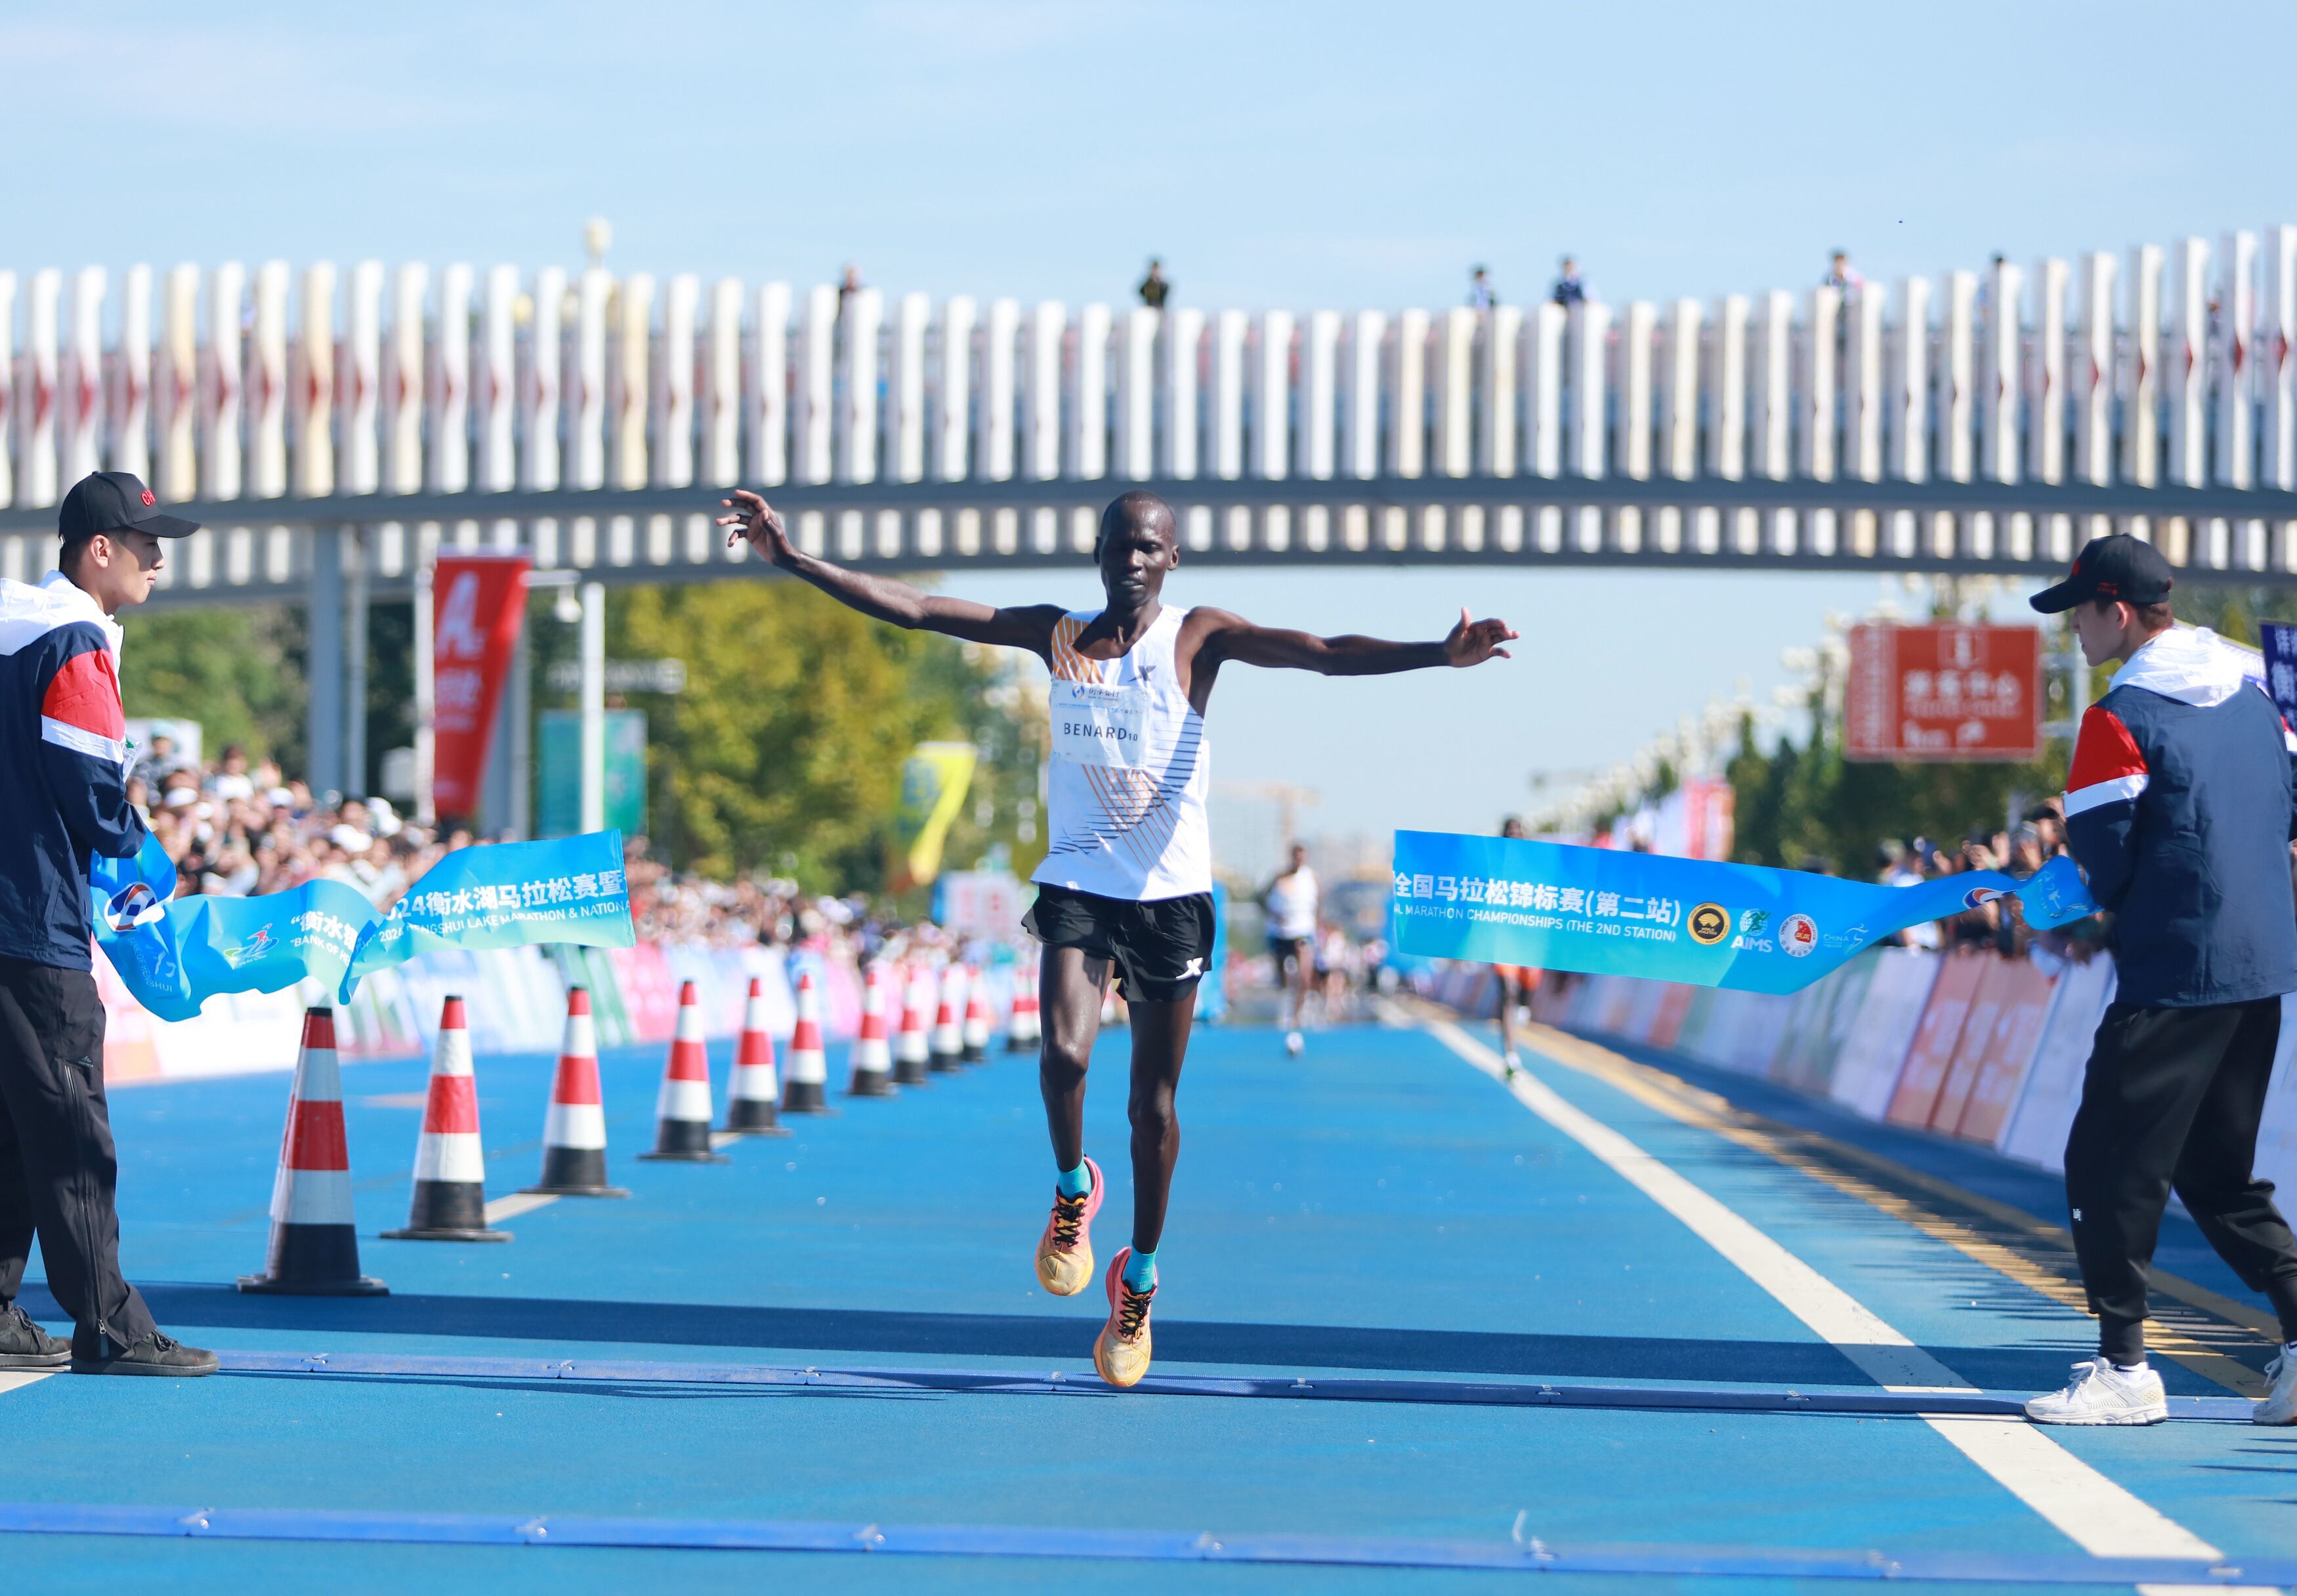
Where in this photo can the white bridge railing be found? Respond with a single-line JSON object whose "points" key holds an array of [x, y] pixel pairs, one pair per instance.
{"points": [[1978, 420]]}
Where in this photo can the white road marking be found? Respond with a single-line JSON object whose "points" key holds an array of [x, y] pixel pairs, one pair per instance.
{"points": [[724, 1138], [2097, 1515], [516, 1204], [16, 1379]]}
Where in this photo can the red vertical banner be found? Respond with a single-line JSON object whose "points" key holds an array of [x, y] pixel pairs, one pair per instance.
{"points": [[478, 605]]}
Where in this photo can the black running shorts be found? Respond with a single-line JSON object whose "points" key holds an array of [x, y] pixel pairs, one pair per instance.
{"points": [[1160, 948]]}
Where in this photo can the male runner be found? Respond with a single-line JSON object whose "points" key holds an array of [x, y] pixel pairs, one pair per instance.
{"points": [[1127, 883], [1518, 984], [1290, 900]]}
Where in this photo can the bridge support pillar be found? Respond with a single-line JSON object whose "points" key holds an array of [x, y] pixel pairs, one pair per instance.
{"points": [[594, 706], [504, 795], [351, 678], [323, 662]]}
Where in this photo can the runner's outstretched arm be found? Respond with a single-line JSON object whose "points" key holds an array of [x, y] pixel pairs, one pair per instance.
{"points": [[883, 598], [1233, 637]]}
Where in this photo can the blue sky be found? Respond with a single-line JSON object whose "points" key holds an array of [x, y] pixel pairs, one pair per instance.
{"points": [[1296, 155]]}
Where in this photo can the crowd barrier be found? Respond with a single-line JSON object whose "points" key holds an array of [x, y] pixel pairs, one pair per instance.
{"points": [[515, 999], [1968, 1045]]}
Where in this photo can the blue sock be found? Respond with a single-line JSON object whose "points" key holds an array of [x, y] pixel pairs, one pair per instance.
{"points": [[1141, 1270], [1075, 1182]]}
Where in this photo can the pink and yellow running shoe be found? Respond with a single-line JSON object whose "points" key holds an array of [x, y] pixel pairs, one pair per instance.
{"points": [[1121, 1354], [1064, 1251]]}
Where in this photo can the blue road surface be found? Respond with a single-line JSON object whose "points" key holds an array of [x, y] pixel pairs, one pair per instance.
{"points": [[1412, 1335]]}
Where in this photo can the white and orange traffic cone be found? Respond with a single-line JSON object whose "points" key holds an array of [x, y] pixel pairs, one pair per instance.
{"points": [[911, 1051], [974, 1036], [1025, 1030], [682, 1111], [314, 1250], [450, 1162], [805, 1084], [755, 1089], [948, 1032], [873, 1056], [574, 1127]]}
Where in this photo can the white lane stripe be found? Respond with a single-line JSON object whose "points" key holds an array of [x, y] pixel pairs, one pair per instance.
{"points": [[2097, 1515], [16, 1379], [724, 1138], [518, 1203]]}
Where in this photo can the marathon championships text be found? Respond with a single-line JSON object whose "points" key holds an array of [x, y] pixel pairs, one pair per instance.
{"points": [[1609, 912]]}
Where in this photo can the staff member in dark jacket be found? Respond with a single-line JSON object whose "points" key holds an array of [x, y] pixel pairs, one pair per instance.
{"points": [[2178, 810], [64, 756]]}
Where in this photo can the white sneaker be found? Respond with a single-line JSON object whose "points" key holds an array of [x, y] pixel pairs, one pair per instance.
{"points": [[1514, 1062], [2280, 1404], [1294, 1042], [2101, 1393]]}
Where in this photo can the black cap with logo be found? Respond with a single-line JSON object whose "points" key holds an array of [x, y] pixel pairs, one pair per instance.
{"points": [[114, 501], [2121, 567]]}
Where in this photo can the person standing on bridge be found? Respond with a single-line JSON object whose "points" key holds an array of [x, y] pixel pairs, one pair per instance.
{"points": [[1125, 889], [1156, 288], [2178, 810], [64, 758], [1569, 288]]}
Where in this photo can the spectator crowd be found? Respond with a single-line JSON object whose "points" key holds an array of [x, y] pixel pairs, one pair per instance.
{"points": [[2020, 850], [238, 827]]}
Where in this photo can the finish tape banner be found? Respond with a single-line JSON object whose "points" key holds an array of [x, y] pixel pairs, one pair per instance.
{"points": [[1603, 912], [174, 953]]}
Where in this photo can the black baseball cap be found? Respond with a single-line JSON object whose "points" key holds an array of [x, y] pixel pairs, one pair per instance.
{"points": [[113, 501], [2121, 567]]}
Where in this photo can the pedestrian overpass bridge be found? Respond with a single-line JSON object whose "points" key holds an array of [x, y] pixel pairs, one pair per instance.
{"points": [[334, 431]]}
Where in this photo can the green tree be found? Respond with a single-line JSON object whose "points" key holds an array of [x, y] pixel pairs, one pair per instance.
{"points": [[783, 752], [238, 673], [1798, 804]]}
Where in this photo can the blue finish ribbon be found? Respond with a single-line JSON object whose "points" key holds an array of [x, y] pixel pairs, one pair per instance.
{"points": [[1556, 907], [174, 955]]}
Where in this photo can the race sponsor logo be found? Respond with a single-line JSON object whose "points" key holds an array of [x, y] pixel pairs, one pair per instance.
{"points": [[135, 904], [1982, 894], [255, 947], [1708, 924], [1799, 935]]}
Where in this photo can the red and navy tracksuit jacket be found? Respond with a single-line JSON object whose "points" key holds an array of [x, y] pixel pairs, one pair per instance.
{"points": [[2179, 811], [64, 768]]}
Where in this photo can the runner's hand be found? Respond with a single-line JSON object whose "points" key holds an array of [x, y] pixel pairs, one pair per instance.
{"points": [[754, 521], [1472, 641]]}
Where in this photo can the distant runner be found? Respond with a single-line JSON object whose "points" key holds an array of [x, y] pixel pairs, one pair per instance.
{"points": [[1290, 900], [1518, 984], [1126, 887]]}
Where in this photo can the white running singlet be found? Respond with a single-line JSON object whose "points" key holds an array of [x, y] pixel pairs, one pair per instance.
{"points": [[1125, 796], [1292, 905]]}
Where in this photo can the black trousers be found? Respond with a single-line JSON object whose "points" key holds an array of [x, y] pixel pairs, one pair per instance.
{"points": [[58, 1171], [2171, 1098]]}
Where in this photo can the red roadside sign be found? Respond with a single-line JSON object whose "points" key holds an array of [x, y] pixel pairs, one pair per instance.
{"points": [[1943, 695], [478, 605]]}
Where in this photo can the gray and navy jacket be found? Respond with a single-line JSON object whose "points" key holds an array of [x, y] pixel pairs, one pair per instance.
{"points": [[2179, 811], [64, 768]]}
